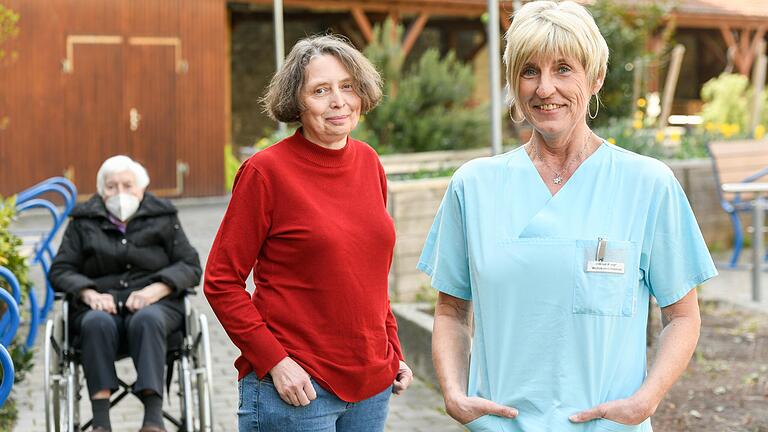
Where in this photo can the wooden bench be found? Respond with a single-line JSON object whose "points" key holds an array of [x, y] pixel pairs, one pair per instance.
{"points": [[744, 161]]}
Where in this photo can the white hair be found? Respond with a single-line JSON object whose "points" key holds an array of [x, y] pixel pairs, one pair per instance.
{"points": [[551, 29], [117, 164]]}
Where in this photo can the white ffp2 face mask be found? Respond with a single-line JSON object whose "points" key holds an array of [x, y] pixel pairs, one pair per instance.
{"points": [[122, 206]]}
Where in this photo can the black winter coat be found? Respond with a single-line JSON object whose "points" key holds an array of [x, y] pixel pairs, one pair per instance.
{"points": [[95, 254]]}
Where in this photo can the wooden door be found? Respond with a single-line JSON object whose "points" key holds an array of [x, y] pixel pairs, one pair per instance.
{"points": [[150, 108], [93, 106]]}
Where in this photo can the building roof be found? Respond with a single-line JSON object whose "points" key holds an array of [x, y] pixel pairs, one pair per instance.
{"points": [[709, 8], [711, 13], [741, 8], [731, 8]]}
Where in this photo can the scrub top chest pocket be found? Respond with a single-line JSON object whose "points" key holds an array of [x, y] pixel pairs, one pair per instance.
{"points": [[607, 277]]}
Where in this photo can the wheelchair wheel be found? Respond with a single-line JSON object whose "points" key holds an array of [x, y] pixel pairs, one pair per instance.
{"points": [[50, 368], [53, 378], [204, 372]]}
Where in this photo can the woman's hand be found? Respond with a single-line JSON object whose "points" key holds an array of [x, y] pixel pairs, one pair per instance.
{"points": [[98, 301], [465, 409], [151, 293], [630, 411], [677, 342], [451, 344], [292, 383], [403, 379]]}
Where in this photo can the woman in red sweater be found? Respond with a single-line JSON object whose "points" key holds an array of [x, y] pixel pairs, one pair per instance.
{"points": [[308, 215]]}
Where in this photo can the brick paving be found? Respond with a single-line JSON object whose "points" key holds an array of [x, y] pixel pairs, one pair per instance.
{"points": [[420, 409]]}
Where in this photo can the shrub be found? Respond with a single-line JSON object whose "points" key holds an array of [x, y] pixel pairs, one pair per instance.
{"points": [[627, 30], [727, 103], [13, 261], [231, 165], [426, 107], [672, 143]]}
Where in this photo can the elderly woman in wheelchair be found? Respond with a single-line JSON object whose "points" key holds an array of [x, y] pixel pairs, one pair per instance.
{"points": [[123, 264]]}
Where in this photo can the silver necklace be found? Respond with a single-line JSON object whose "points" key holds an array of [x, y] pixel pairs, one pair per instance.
{"points": [[564, 170]]}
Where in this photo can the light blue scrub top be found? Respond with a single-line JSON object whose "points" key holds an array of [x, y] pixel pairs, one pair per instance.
{"points": [[550, 338]]}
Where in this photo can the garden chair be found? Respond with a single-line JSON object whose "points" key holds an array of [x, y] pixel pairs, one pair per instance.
{"points": [[743, 161]]}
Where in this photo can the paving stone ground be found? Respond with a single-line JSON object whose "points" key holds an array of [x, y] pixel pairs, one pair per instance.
{"points": [[420, 409]]}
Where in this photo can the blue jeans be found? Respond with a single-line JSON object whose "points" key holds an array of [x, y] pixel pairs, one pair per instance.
{"points": [[262, 410]]}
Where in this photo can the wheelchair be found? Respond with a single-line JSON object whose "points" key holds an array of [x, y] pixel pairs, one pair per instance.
{"points": [[189, 350]]}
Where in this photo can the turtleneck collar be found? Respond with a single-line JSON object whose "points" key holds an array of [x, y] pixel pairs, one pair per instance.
{"points": [[320, 155]]}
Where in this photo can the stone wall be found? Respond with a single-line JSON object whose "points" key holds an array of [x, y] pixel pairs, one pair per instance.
{"points": [[413, 204]]}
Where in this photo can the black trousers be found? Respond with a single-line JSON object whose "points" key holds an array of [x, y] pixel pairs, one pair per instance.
{"points": [[103, 338]]}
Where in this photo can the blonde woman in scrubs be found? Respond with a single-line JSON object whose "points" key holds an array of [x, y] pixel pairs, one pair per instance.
{"points": [[554, 248]]}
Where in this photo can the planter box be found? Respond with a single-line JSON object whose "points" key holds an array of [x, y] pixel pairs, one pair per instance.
{"points": [[415, 331]]}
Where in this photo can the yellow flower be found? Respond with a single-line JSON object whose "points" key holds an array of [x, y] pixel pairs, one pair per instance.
{"points": [[641, 102], [660, 136], [759, 131], [709, 126], [612, 140], [725, 130], [674, 137], [637, 124]]}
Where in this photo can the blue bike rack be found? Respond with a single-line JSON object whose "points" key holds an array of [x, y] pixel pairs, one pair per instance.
{"points": [[7, 326], [60, 185], [9, 332], [6, 337], [8, 375], [43, 251]]}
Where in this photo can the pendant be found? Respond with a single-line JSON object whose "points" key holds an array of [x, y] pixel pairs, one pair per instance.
{"points": [[557, 180]]}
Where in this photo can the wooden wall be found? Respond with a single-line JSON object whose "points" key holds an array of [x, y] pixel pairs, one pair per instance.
{"points": [[69, 122]]}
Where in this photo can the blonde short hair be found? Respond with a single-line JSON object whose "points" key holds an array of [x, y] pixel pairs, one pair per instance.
{"points": [[283, 97], [550, 29], [117, 164]]}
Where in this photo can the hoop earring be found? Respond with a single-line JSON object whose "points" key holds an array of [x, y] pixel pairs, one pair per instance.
{"points": [[512, 115], [597, 107]]}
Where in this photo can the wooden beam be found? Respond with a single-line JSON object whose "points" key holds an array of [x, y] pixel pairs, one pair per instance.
{"points": [[744, 51], [671, 84], [362, 23], [465, 8], [353, 34], [725, 30], [758, 85], [505, 22], [752, 50], [745, 55], [733, 46], [690, 20], [414, 32]]}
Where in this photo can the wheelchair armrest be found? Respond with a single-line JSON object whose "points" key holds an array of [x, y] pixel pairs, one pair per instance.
{"points": [[190, 291]]}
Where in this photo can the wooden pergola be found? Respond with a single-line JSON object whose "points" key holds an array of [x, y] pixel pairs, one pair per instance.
{"points": [[742, 23], [396, 10]]}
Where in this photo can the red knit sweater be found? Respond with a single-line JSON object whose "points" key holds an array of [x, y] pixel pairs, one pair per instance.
{"points": [[312, 224]]}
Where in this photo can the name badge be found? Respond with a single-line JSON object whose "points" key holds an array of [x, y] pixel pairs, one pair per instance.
{"points": [[605, 267]]}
